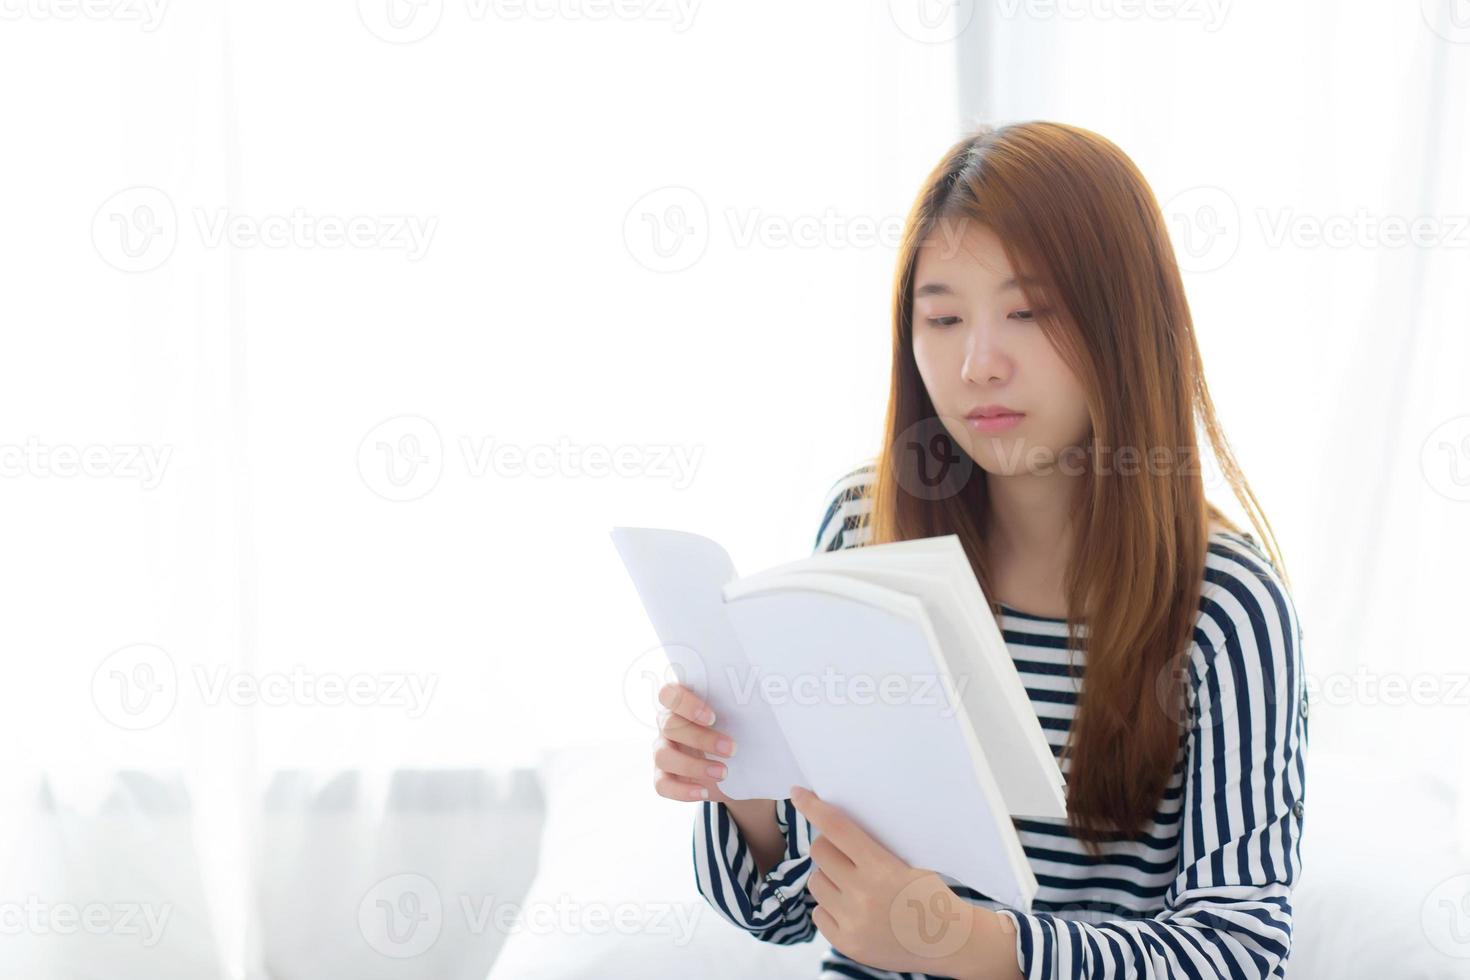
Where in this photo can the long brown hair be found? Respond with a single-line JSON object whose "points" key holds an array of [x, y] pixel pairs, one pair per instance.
{"points": [[1074, 213]]}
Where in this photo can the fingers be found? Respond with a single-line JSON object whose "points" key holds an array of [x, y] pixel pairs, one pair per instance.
{"points": [[697, 737], [685, 723], [681, 770], [673, 760], [827, 925], [828, 896], [823, 888], [686, 704], [830, 821], [827, 856], [674, 788]]}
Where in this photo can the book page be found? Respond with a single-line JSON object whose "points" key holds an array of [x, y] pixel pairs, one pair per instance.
{"points": [[1005, 721], [880, 729], [679, 577], [936, 571]]}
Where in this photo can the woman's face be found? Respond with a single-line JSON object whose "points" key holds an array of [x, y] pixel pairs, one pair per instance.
{"points": [[978, 343]]}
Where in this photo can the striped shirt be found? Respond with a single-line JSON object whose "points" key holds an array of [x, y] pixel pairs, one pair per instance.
{"points": [[1203, 891]]}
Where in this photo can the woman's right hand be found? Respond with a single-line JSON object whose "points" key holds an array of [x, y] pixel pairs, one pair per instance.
{"points": [[686, 734]]}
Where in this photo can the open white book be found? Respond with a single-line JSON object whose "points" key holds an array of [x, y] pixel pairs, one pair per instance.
{"points": [[876, 677]]}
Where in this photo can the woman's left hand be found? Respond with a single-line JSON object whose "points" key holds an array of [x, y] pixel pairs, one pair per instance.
{"points": [[876, 909]]}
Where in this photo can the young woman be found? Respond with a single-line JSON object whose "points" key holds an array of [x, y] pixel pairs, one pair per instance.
{"points": [[1045, 394]]}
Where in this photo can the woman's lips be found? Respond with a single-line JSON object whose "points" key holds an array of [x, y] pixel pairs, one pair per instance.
{"points": [[994, 423]]}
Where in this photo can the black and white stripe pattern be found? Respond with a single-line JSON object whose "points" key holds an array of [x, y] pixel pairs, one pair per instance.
{"points": [[1203, 892]]}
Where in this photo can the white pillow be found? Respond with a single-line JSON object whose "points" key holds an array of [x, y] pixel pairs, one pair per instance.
{"points": [[614, 894], [1384, 889]]}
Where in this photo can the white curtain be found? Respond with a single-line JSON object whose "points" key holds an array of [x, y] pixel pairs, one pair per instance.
{"points": [[336, 339], [1311, 158]]}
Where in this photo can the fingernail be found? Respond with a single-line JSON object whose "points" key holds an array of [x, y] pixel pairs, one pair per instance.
{"points": [[725, 747], [700, 793], [716, 771], [707, 716]]}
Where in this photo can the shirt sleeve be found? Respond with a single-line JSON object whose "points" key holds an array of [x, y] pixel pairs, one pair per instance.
{"points": [[775, 907], [1227, 913]]}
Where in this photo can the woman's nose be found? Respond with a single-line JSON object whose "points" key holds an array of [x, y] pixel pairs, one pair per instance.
{"points": [[985, 361]]}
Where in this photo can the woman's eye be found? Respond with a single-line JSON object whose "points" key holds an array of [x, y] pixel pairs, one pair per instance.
{"points": [[935, 320], [1023, 315]]}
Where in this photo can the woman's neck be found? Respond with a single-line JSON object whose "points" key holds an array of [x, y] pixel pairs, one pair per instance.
{"points": [[1029, 517], [1028, 540]]}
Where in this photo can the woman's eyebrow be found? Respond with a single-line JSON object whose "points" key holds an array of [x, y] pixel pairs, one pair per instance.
{"points": [[942, 289]]}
